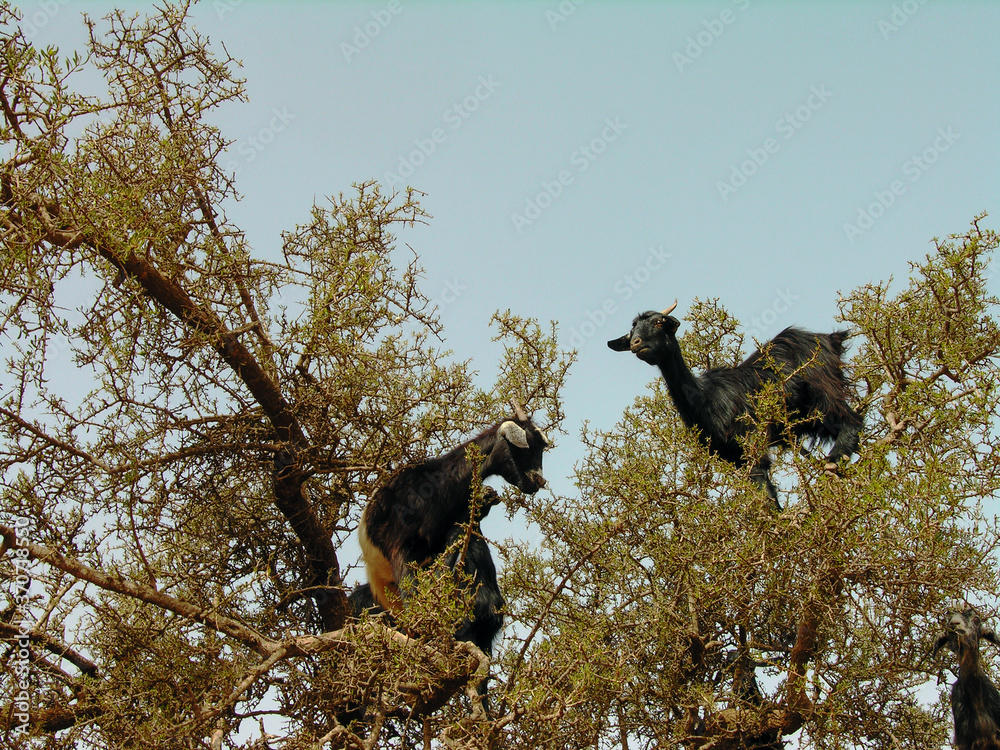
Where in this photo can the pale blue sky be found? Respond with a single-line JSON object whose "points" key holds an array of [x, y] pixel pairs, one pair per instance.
{"points": [[845, 100]]}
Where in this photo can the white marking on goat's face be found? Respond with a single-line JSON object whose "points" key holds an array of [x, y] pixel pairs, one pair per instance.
{"points": [[961, 625], [963, 632]]}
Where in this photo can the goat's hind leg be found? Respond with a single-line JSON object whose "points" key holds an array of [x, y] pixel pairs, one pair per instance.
{"points": [[760, 475]]}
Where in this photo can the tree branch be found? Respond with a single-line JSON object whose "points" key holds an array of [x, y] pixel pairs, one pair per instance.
{"points": [[249, 637], [55, 443], [54, 646], [290, 497], [807, 639]]}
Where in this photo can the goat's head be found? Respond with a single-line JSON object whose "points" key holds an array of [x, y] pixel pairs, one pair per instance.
{"points": [[517, 455], [651, 336], [962, 633]]}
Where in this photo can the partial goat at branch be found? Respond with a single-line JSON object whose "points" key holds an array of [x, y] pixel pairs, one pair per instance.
{"points": [[975, 701], [808, 368], [486, 619], [411, 519]]}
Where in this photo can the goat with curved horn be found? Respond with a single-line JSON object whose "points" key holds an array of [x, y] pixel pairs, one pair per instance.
{"points": [[423, 508], [518, 410], [808, 368]]}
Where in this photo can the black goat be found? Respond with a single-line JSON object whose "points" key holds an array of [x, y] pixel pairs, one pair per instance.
{"points": [[975, 701], [411, 518], [487, 609], [807, 366], [486, 621], [362, 602]]}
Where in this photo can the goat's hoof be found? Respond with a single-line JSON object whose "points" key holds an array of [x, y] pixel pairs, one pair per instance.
{"points": [[491, 496], [830, 467]]}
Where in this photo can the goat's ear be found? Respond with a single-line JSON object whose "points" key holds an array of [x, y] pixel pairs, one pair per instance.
{"points": [[514, 434], [620, 345], [940, 643], [670, 323]]}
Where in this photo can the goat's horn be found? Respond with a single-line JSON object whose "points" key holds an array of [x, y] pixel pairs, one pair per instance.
{"points": [[669, 309], [518, 411]]}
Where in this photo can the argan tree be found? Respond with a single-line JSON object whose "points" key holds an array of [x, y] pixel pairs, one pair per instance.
{"points": [[689, 613], [188, 434]]}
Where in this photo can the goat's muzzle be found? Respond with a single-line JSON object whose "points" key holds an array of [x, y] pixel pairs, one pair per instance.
{"points": [[641, 349], [534, 481]]}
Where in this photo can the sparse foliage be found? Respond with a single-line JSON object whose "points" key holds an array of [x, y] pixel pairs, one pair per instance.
{"points": [[188, 434], [710, 622]]}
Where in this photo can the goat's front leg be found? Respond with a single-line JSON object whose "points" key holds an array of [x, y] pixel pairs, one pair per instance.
{"points": [[846, 444]]}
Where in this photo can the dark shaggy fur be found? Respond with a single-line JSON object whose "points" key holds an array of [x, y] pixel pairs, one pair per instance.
{"points": [[808, 366], [487, 610], [975, 701], [486, 621], [362, 602], [409, 520]]}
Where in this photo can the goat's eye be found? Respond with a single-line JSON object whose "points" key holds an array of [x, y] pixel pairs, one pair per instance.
{"points": [[658, 323]]}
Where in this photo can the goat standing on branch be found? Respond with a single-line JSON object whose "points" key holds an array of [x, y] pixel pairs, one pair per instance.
{"points": [[975, 701], [808, 368], [411, 519], [477, 566]]}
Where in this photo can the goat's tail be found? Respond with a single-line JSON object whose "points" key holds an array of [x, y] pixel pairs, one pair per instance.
{"points": [[837, 339]]}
